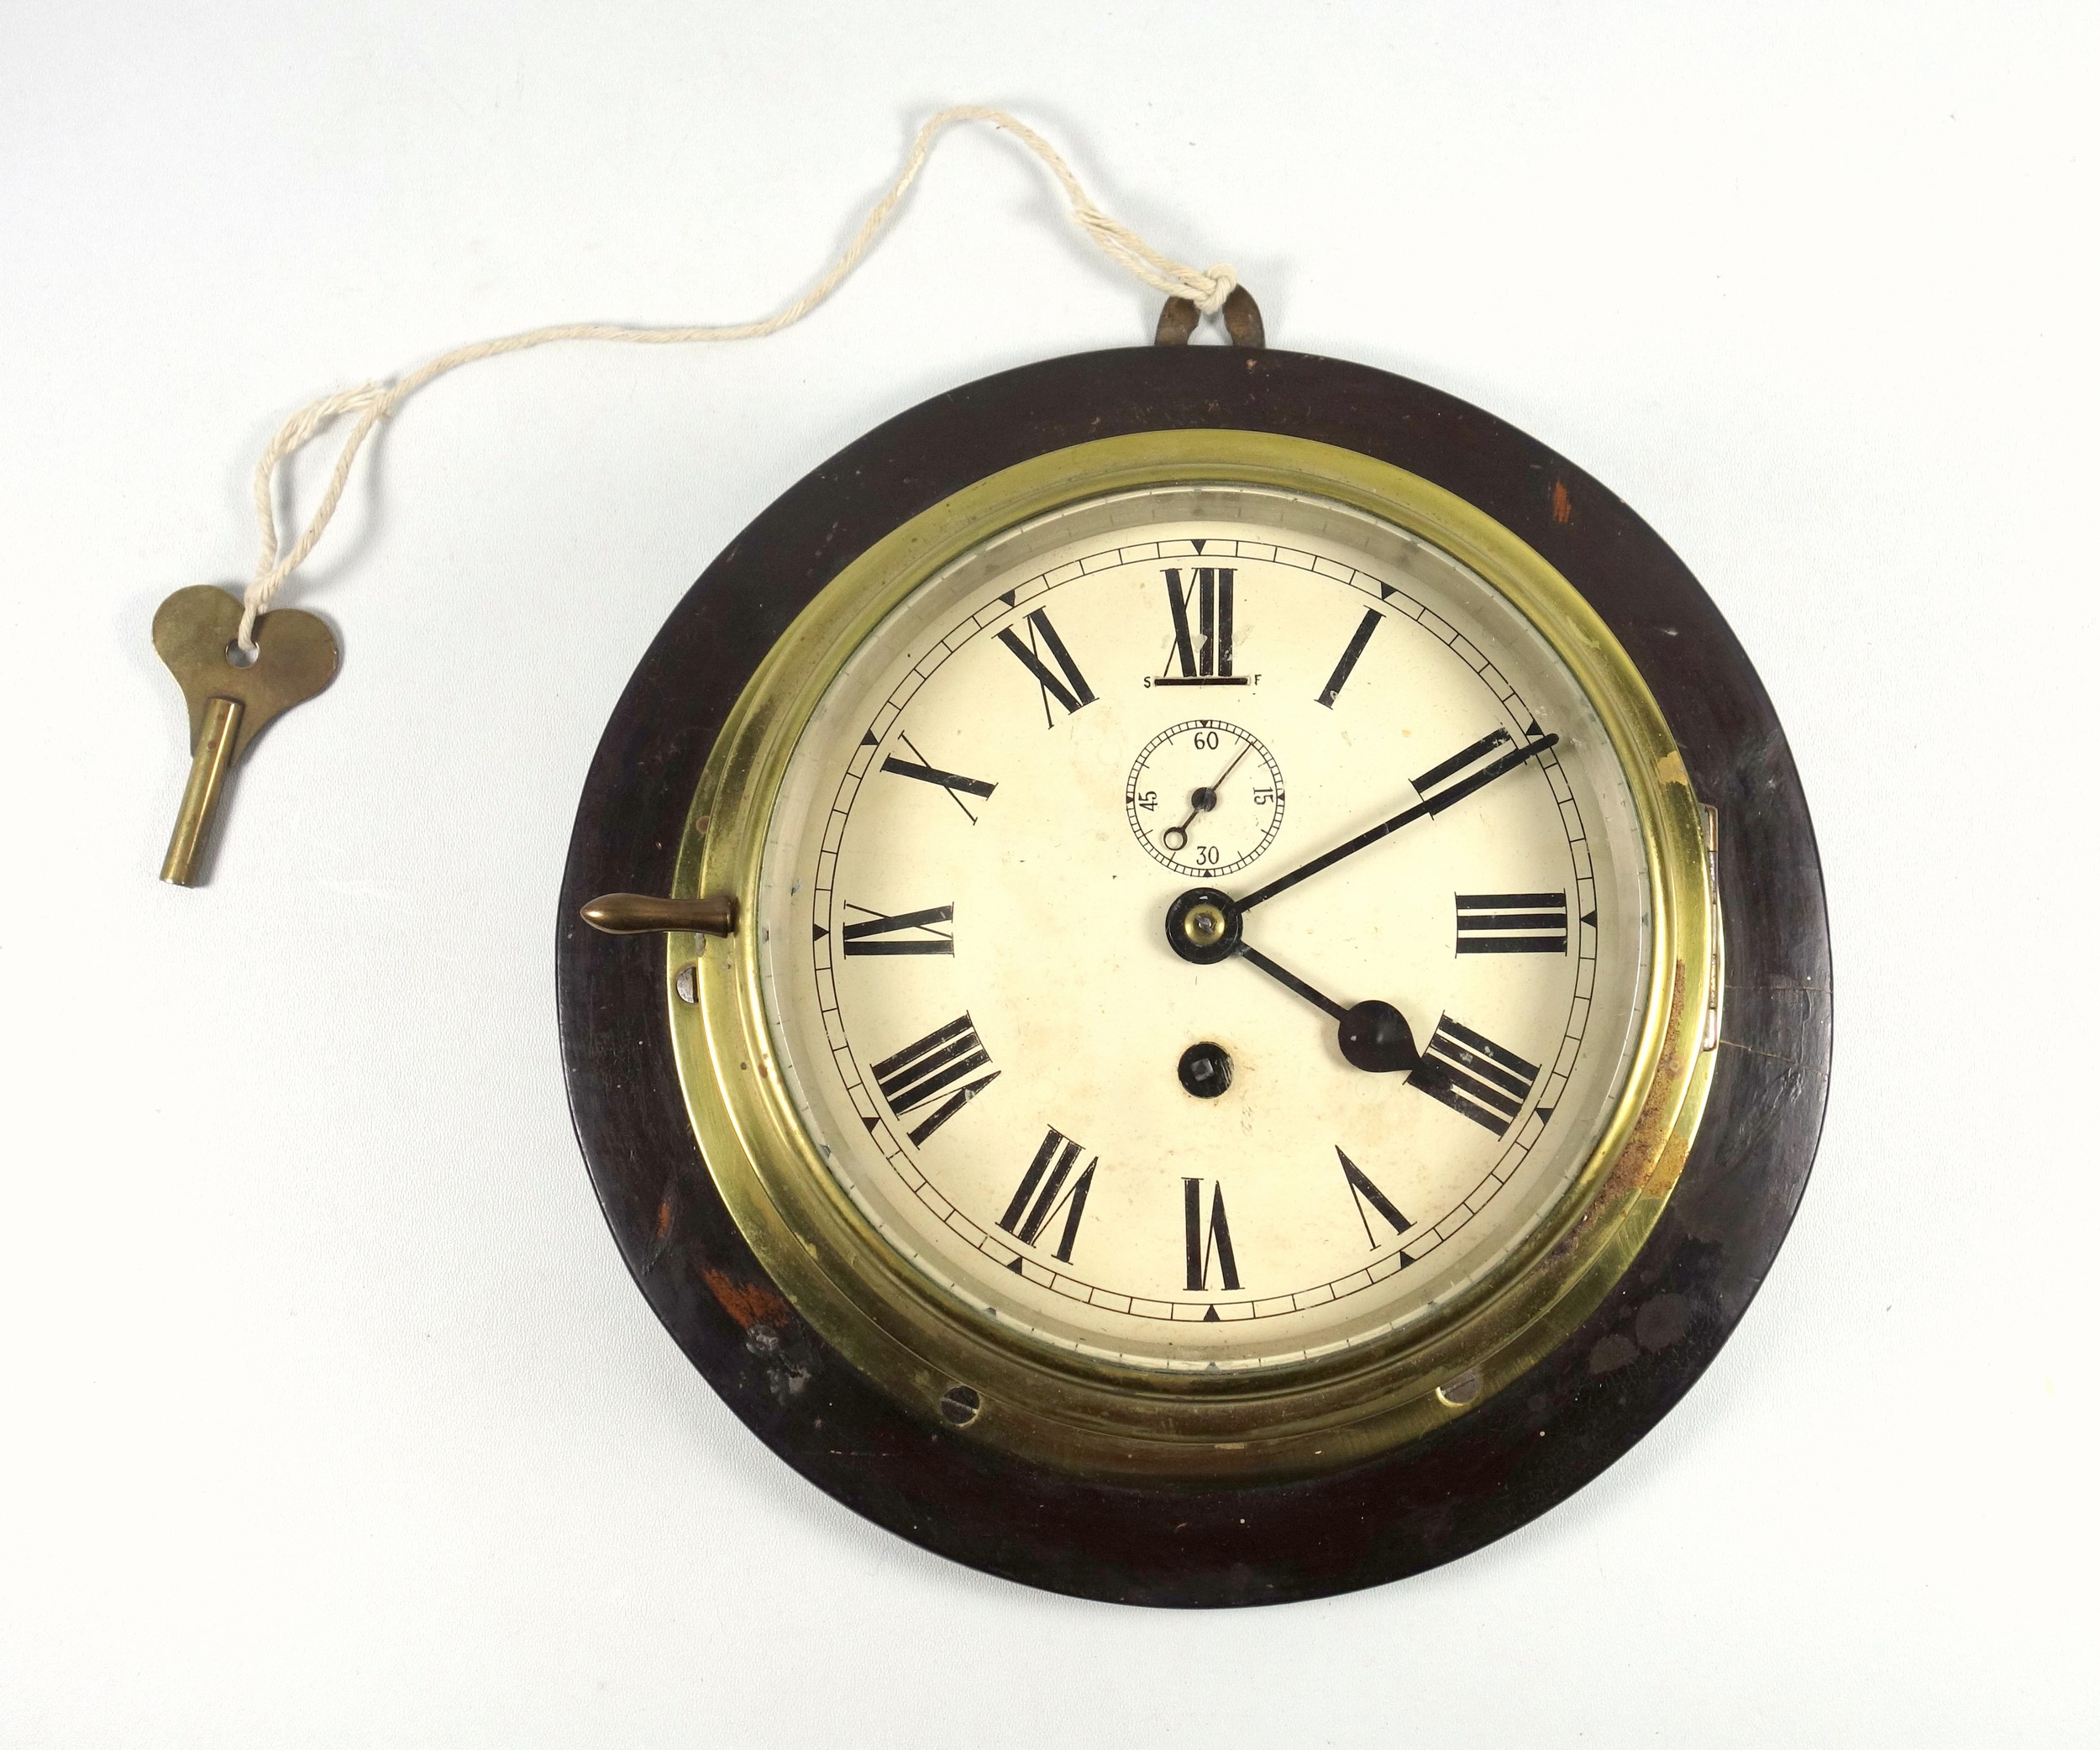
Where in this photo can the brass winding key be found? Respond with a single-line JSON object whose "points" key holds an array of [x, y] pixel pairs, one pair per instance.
{"points": [[230, 703]]}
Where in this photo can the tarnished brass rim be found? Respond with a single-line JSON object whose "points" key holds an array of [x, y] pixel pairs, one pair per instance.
{"points": [[1100, 1416]]}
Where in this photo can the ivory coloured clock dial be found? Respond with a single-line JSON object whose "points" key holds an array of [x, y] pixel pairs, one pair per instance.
{"points": [[1006, 1014]]}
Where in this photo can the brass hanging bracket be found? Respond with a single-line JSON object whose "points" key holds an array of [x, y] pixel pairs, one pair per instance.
{"points": [[1179, 317]]}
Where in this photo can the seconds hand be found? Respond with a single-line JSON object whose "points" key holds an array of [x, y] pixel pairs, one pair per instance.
{"points": [[1174, 837]]}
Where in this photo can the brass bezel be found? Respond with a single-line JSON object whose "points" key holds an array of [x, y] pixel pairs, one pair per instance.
{"points": [[1074, 1411]]}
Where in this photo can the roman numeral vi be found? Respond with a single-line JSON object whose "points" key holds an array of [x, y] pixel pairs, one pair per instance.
{"points": [[1207, 1241]]}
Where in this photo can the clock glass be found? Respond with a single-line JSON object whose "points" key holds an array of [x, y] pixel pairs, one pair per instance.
{"points": [[1204, 927]]}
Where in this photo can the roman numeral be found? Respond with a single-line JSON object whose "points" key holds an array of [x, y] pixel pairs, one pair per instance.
{"points": [[1043, 1183], [1472, 1075], [1067, 686], [867, 936], [1437, 796], [1347, 667], [928, 1068], [1207, 1242], [1512, 923], [1204, 656], [1362, 1191], [954, 783]]}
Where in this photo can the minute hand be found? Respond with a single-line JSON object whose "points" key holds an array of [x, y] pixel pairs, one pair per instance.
{"points": [[1429, 806]]}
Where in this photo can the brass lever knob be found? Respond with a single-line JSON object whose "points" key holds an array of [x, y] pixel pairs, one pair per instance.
{"points": [[640, 914]]}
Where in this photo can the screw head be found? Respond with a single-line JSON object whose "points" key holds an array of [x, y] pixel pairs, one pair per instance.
{"points": [[960, 1405], [1205, 1070]]}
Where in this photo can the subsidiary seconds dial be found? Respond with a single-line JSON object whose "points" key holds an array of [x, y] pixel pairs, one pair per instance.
{"points": [[1205, 798], [1420, 985]]}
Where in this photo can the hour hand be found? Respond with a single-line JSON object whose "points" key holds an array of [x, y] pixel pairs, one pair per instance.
{"points": [[1203, 926], [1373, 1035]]}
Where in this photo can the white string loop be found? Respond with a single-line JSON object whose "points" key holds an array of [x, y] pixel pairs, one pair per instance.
{"points": [[1207, 289]]}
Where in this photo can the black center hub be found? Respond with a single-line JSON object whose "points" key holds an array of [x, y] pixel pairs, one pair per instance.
{"points": [[1203, 926]]}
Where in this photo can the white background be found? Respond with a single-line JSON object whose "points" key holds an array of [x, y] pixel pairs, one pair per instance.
{"points": [[329, 1414]]}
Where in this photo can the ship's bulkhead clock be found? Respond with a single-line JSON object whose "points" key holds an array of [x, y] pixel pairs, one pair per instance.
{"points": [[1231, 995], [979, 985]]}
